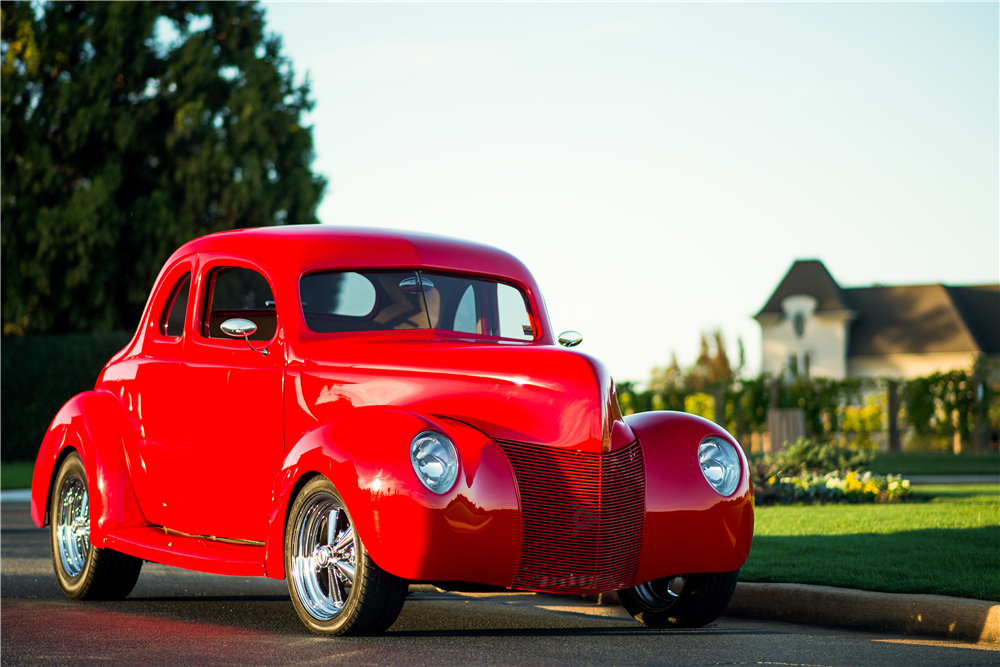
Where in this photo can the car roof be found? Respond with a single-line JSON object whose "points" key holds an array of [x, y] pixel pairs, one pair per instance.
{"points": [[304, 248]]}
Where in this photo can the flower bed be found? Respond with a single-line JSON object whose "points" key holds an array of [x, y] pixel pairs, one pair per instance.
{"points": [[832, 487]]}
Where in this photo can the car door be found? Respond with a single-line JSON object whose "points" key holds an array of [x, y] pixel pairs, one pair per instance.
{"points": [[153, 396], [227, 442]]}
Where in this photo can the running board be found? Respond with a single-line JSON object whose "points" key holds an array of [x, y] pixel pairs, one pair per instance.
{"points": [[191, 552]]}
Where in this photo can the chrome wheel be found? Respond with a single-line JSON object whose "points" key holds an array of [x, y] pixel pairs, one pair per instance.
{"points": [[660, 594], [73, 525], [324, 556]]}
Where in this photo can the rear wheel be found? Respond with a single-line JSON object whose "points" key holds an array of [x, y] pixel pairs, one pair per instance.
{"points": [[336, 588], [83, 571], [685, 601]]}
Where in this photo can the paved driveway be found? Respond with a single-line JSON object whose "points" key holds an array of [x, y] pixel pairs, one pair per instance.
{"points": [[176, 617]]}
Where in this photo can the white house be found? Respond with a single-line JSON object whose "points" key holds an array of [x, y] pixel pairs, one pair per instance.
{"points": [[813, 326]]}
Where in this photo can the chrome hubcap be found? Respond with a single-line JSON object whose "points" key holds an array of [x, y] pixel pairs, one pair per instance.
{"points": [[73, 525], [660, 594], [324, 553]]}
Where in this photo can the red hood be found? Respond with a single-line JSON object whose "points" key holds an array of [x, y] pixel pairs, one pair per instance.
{"points": [[526, 393]]}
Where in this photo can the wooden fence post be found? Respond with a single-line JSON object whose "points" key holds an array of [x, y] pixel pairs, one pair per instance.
{"points": [[979, 407], [894, 444]]}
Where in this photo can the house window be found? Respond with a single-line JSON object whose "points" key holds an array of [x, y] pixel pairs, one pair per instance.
{"points": [[799, 363]]}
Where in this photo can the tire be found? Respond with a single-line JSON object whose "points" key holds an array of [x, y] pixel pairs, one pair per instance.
{"points": [[335, 586], [83, 571], [686, 601]]}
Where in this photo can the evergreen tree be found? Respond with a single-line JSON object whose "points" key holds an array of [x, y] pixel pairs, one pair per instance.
{"points": [[120, 142]]}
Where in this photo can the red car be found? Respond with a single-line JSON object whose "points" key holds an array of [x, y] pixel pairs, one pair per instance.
{"points": [[356, 410]]}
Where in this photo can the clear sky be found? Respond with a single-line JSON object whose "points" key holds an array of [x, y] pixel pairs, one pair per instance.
{"points": [[659, 167]]}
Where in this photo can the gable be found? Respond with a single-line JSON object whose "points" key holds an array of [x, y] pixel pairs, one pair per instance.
{"points": [[808, 277]]}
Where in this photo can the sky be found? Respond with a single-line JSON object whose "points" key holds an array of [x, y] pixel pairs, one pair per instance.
{"points": [[658, 167]]}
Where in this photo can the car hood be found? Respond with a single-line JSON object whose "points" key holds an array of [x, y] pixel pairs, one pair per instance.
{"points": [[518, 392]]}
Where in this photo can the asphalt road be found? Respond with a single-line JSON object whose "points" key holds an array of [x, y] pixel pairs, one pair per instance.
{"points": [[176, 617]]}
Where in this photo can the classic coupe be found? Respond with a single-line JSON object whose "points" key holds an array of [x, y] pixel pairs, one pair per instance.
{"points": [[358, 410]]}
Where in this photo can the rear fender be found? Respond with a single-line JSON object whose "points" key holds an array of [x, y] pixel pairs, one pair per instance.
{"points": [[689, 528], [87, 424], [471, 533]]}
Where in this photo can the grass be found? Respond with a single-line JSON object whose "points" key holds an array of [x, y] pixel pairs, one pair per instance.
{"points": [[15, 475], [947, 542], [935, 463]]}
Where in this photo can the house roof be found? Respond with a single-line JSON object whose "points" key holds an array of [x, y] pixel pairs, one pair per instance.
{"points": [[980, 308], [915, 319], [901, 319], [807, 276]]}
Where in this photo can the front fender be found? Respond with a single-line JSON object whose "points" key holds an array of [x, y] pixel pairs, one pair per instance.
{"points": [[689, 528], [471, 533], [87, 424]]}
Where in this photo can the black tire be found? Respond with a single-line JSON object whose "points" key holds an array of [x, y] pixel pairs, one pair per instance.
{"points": [[317, 569], [83, 571], [688, 601]]}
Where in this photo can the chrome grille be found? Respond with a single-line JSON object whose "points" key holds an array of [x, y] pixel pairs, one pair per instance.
{"points": [[582, 517]]}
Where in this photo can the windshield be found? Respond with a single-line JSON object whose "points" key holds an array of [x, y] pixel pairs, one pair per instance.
{"points": [[341, 301]]}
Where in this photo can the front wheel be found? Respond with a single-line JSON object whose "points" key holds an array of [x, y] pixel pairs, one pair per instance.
{"points": [[685, 601], [83, 571], [335, 586]]}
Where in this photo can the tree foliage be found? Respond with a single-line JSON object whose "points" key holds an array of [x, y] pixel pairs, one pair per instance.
{"points": [[129, 128]]}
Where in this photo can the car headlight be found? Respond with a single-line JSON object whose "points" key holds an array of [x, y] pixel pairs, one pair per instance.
{"points": [[720, 464], [435, 460]]}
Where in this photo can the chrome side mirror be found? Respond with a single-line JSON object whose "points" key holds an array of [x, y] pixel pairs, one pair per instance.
{"points": [[237, 327], [570, 338]]}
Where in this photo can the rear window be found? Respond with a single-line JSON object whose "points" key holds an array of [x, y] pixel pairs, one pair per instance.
{"points": [[343, 301]]}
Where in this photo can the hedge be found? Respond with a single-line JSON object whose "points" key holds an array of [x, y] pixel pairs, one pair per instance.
{"points": [[39, 374]]}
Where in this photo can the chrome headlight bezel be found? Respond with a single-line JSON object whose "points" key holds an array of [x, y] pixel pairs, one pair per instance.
{"points": [[720, 464], [435, 460]]}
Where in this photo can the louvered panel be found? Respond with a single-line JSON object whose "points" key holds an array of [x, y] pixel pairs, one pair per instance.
{"points": [[582, 517]]}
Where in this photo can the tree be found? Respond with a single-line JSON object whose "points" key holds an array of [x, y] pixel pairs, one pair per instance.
{"points": [[712, 368], [119, 144]]}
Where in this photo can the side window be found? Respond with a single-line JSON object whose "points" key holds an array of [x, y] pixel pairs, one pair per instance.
{"points": [[175, 312], [237, 292]]}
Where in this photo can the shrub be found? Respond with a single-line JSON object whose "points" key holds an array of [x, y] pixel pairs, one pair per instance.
{"points": [[39, 374]]}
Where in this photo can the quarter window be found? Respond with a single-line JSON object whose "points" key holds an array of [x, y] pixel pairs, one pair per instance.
{"points": [[175, 312], [238, 292]]}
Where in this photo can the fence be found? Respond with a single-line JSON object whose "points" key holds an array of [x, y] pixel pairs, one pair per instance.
{"points": [[958, 410]]}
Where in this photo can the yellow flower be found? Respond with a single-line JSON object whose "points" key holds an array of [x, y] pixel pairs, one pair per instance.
{"points": [[771, 480], [871, 487]]}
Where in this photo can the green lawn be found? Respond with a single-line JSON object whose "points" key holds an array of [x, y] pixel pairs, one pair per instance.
{"points": [[15, 475], [936, 463], [947, 543]]}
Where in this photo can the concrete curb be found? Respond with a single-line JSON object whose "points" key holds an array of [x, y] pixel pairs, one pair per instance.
{"points": [[16, 496], [953, 479], [932, 615]]}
